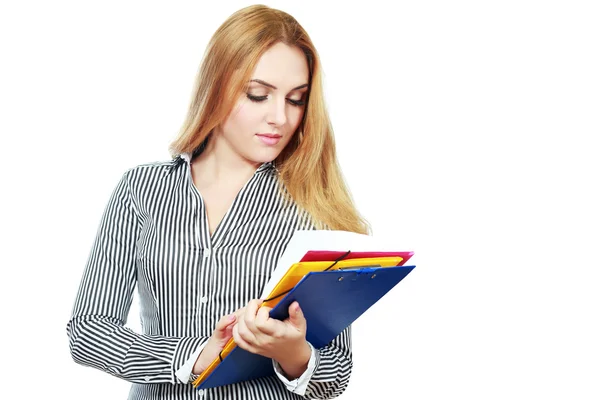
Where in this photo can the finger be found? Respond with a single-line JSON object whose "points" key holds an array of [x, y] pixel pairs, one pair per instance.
{"points": [[264, 323], [224, 322], [244, 331], [228, 333], [297, 316], [252, 307], [240, 313], [239, 340], [250, 314]]}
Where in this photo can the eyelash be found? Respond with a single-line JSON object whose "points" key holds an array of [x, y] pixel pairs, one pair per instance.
{"points": [[258, 99]]}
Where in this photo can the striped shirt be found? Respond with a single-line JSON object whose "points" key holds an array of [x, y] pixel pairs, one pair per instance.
{"points": [[154, 234]]}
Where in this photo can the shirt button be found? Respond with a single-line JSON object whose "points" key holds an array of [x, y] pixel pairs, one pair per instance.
{"points": [[207, 253], [147, 378], [204, 299], [201, 392]]}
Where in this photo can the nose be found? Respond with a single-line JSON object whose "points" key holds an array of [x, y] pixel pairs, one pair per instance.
{"points": [[277, 112]]}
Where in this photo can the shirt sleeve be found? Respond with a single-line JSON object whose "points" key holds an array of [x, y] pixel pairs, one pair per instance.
{"points": [[185, 371], [299, 384], [97, 333], [333, 368]]}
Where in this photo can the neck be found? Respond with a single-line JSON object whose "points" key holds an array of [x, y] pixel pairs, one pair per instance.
{"points": [[219, 163]]}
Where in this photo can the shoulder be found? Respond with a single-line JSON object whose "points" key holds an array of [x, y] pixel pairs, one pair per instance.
{"points": [[152, 172]]}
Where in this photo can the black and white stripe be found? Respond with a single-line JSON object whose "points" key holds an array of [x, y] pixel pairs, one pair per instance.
{"points": [[154, 234]]}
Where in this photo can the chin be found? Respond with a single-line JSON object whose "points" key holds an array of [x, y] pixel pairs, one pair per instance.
{"points": [[260, 160], [265, 156]]}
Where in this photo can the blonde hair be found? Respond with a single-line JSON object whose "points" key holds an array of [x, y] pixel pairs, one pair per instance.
{"points": [[308, 168]]}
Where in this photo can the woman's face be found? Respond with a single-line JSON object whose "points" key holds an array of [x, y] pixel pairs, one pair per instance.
{"points": [[267, 115]]}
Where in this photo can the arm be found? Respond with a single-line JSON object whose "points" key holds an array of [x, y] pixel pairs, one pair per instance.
{"points": [[333, 369], [328, 371], [97, 335]]}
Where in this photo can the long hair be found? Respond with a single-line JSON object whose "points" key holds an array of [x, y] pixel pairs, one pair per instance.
{"points": [[308, 168]]}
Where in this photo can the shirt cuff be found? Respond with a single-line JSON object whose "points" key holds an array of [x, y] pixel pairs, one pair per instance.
{"points": [[299, 385], [184, 372]]}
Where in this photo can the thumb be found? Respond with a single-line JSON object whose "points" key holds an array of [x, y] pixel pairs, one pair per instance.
{"points": [[296, 315]]}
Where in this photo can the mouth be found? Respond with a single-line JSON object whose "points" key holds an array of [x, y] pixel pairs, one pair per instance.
{"points": [[269, 139]]}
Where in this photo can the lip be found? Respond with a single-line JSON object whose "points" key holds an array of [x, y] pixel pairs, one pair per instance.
{"points": [[270, 139]]}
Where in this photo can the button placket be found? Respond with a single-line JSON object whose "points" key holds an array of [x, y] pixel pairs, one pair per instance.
{"points": [[207, 270]]}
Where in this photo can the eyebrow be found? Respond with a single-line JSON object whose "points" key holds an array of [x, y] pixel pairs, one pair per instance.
{"points": [[273, 86]]}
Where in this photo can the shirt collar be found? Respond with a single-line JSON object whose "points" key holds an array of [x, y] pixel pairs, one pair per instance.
{"points": [[269, 165]]}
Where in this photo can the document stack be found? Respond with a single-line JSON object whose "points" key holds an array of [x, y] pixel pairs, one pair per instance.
{"points": [[335, 276]]}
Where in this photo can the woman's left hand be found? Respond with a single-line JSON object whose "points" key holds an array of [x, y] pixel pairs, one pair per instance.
{"points": [[283, 341]]}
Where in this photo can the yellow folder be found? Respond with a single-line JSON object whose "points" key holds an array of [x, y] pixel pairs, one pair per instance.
{"points": [[291, 278]]}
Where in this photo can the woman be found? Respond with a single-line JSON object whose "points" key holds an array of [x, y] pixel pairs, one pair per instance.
{"points": [[199, 235]]}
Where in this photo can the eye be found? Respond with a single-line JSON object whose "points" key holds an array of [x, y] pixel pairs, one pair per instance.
{"points": [[256, 99], [298, 103]]}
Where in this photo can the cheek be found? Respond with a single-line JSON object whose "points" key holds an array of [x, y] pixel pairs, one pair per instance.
{"points": [[247, 116], [295, 116]]}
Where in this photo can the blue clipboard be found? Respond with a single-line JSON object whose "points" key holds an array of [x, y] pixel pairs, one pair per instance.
{"points": [[330, 300]]}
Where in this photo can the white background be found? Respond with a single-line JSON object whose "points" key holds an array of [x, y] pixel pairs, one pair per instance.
{"points": [[465, 130]]}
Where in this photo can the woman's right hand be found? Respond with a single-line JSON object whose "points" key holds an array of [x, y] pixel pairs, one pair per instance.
{"points": [[216, 343]]}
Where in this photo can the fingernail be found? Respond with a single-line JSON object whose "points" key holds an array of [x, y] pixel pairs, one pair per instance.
{"points": [[232, 317]]}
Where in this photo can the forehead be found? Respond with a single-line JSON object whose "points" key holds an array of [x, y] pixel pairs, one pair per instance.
{"points": [[282, 66]]}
